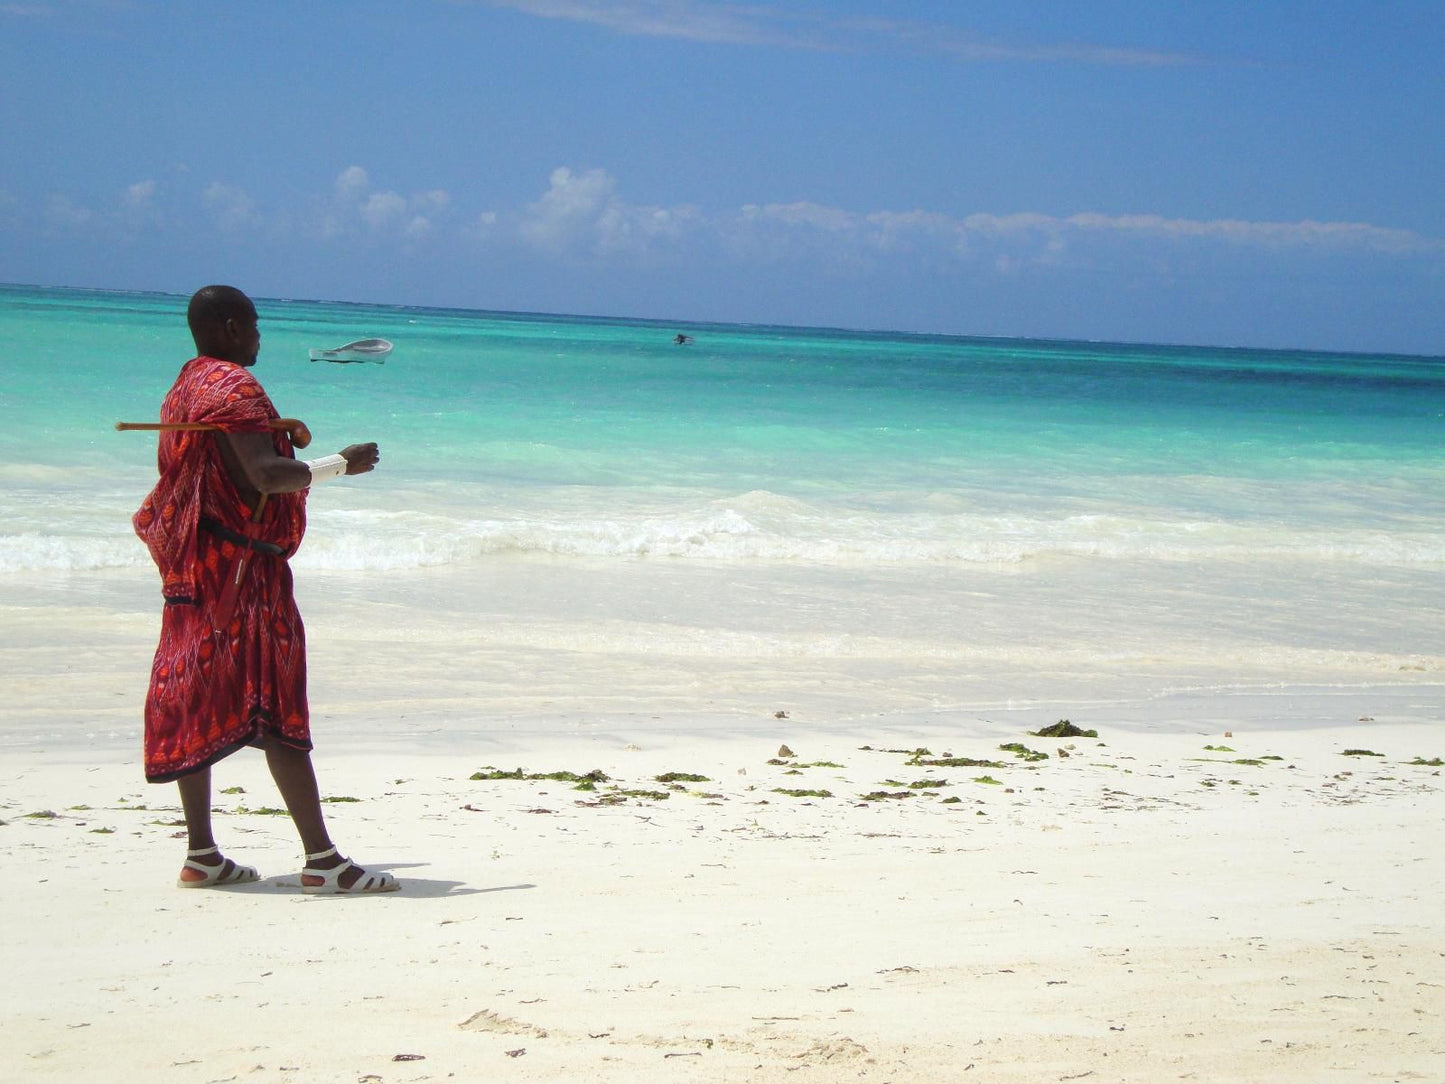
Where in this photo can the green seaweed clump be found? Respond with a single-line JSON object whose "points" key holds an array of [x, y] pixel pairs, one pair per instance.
{"points": [[803, 793], [496, 773], [925, 784], [1219, 749], [989, 780], [340, 798], [1023, 752], [1361, 753], [1063, 729], [880, 795], [954, 762], [681, 777], [596, 775], [1434, 763]]}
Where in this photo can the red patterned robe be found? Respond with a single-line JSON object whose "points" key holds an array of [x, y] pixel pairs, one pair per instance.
{"points": [[213, 692]]}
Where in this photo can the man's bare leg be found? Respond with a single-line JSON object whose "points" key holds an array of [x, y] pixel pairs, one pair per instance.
{"points": [[196, 803], [296, 780]]}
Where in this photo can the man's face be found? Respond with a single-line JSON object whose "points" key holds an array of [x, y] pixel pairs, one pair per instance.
{"points": [[247, 337]]}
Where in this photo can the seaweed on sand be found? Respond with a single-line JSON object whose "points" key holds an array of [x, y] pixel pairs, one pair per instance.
{"points": [[1063, 729], [1023, 752], [596, 775], [954, 762]]}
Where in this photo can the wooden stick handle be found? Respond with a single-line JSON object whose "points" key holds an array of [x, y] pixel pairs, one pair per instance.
{"points": [[300, 435]]}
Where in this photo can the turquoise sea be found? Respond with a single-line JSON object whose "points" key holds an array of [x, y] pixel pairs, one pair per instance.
{"points": [[987, 508]]}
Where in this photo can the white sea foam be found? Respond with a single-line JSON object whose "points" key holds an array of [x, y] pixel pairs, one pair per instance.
{"points": [[764, 528], [784, 531], [33, 552]]}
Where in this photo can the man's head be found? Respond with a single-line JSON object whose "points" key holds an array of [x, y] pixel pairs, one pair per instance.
{"points": [[223, 323]]}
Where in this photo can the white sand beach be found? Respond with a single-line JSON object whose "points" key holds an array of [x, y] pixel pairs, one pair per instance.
{"points": [[1238, 879], [1166, 901]]}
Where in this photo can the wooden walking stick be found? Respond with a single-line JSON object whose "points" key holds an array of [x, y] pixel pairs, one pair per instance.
{"points": [[294, 427]]}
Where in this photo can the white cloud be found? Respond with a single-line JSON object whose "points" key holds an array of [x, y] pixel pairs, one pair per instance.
{"points": [[234, 210], [380, 209], [138, 209], [691, 20], [836, 239], [1303, 234], [568, 208], [812, 215], [138, 196], [350, 183], [354, 204], [581, 214], [962, 45], [794, 27]]}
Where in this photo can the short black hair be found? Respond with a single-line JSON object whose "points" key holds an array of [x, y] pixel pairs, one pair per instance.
{"points": [[212, 306]]}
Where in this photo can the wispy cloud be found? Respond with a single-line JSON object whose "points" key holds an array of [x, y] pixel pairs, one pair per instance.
{"points": [[774, 25], [809, 224], [354, 206], [139, 195], [1303, 234], [583, 216], [963, 45], [691, 20]]}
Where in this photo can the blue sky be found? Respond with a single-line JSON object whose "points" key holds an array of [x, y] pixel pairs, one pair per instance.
{"points": [[1267, 174]]}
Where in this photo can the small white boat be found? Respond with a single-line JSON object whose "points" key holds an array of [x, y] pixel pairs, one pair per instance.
{"points": [[360, 350]]}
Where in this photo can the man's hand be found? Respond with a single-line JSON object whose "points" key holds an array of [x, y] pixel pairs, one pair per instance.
{"points": [[360, 458]]}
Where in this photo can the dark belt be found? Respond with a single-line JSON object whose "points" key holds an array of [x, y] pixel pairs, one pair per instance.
{"points": [[270, 549]]}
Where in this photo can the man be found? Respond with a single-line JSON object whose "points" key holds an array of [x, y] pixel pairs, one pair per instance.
{"points": [[230, 670]]}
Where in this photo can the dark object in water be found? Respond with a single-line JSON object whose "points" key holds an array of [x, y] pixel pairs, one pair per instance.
{"points": [[683, 340]]}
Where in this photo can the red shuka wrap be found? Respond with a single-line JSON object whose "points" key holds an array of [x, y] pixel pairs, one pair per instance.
{"points": [[213, 692]]}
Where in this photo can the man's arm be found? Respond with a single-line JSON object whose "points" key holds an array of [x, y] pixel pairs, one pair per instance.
{"points": [[255, 468]]}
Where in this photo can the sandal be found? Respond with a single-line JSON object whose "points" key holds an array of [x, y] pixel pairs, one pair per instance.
{"points": [[226, 873], [330, 879]]}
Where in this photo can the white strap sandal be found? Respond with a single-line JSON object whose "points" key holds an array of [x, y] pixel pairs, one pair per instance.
{"points": [[225, 873], [327, 882]]}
